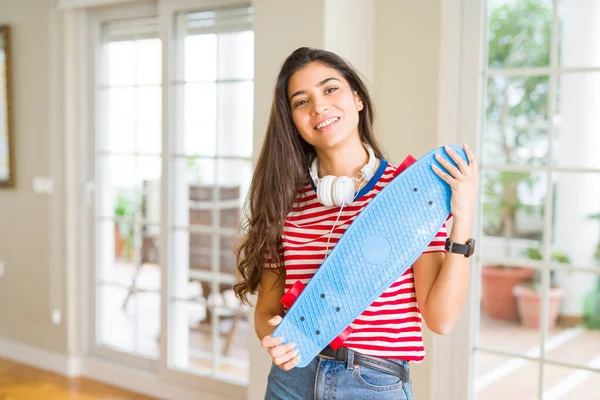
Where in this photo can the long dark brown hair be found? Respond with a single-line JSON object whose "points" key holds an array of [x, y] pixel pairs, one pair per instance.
{"points": [[282, 169]]}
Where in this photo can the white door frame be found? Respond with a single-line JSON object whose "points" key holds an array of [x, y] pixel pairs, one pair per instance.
{"points": [[460, 117]]}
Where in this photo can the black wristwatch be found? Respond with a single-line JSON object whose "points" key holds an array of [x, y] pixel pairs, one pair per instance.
{"points": [[466, 249]]}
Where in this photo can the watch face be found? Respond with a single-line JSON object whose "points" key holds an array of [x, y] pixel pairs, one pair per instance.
{"points": [[471, 244]]}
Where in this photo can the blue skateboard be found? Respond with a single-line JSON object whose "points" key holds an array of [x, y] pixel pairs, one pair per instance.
{"points": [[383, 241]]}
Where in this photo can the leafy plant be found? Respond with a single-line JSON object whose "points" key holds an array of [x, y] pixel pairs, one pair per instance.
{"points": [[519, 36], [534, 253]]}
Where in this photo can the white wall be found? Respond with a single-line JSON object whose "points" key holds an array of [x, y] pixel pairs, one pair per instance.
{"points": [[350, 31], [407, 56]]}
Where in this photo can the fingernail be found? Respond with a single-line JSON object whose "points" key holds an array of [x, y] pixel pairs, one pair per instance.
{"points": [[298, 359], [293, 345], [296, 353]]}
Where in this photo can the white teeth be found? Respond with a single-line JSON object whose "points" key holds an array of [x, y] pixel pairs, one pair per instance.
{"points": [[326, 122]]}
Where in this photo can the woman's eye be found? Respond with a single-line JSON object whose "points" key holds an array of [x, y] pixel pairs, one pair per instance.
{"points": [[299, 103], [331, 89]]}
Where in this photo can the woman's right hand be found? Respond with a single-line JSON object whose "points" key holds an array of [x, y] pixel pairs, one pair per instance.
{"points": [[284, 356]]}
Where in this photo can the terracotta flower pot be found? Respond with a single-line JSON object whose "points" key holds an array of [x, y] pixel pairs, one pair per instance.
{"points": [[119, 243], [529, 305], [497, 283]]}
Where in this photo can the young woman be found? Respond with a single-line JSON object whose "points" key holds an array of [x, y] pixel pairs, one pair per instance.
{"points": [[320, 129]]}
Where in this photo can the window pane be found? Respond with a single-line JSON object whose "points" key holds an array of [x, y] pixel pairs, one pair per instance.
{"points": [[200, 57], [501, 378], [200, 119], [148, 62], [122, 246], [236, 55], [116, 131], [129, 321], [578, 33], [130, 280], [115, 324], [222, 351], [513, 208], [232, 177], [117, 175], [519, 33], [236, 116], [576, 218], [235, 175], [120, 57], [561, 383], [577, 120], [148, 120], [517, 121], [124, 180], [147, 321], [575, 305]]}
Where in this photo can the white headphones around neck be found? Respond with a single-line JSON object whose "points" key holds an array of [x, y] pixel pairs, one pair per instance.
{"points": [[339, 190]]}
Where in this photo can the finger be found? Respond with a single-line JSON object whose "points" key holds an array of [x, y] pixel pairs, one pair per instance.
{"points": [[290, 364], [270, 341], [276, 320], [285, 357], [456, 173], [462, 165], [470, 156], [445, 177], [281, 350]]}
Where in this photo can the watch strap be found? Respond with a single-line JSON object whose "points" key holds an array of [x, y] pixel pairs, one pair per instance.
{"points": [[458, 248]]}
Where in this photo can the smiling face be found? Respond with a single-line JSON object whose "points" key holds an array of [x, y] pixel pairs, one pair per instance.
{"points": [[324, 107]]}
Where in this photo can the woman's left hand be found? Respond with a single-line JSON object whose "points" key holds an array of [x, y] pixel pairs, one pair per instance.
{"points": [[462, 180]]}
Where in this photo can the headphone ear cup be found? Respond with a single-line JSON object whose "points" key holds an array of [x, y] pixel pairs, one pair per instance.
{"points": [[343, 191], [325, 190]]}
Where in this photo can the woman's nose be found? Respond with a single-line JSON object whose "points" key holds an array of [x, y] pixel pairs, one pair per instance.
{"points": [[319, 107]]}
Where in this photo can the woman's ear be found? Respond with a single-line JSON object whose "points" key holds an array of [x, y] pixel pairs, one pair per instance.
{"points": [[358, 101]]}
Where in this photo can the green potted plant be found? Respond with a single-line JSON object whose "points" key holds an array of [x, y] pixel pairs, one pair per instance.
{"points": [[124, 213], [591, 307], [528, 294]]}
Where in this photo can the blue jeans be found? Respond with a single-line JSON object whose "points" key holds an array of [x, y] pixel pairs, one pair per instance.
{"points": [[327, 379]]}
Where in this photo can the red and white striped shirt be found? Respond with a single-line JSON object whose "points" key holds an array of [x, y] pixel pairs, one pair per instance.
{"points": [[391, 326]]}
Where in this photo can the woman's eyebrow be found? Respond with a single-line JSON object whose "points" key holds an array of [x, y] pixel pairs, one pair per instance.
{"points": [[324, 81]]}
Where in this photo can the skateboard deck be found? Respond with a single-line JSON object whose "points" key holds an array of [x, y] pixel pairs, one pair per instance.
{"points": [[384, 240]]}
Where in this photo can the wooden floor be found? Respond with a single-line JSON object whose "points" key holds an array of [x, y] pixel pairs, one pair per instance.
{"points": [[21, 382]]}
